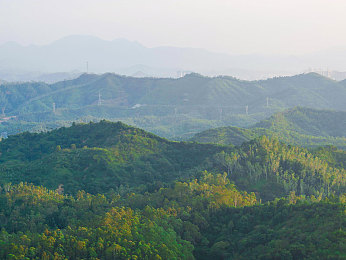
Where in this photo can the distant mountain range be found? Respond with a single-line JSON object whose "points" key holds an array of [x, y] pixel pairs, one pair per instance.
{"points": [[168, 107], [30, 76], [128, 57], [192, 90]]}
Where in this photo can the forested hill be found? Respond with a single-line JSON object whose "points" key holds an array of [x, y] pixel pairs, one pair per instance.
{"points": [[311, 90], [99, 157], [302, 126], [132, 195], [307, 121], [30, 146], [172, 108], [209, 219]]}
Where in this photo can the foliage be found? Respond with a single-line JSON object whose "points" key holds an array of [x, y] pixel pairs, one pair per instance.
{"points": [[98, 157], [173, 108], [292, 228], [44, 224], [132, 195], [299, 126]]}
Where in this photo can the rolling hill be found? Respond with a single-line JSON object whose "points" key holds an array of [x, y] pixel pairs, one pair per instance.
{"points": [[174, 108], [300, 126], [307, 121], [309, 90], [98, 157], [107, 190]]}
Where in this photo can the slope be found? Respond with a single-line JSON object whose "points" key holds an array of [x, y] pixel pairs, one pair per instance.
{"points": [[105, 156], [302, 126], [204, 219], [310, 90], [307, 121], [97, 157], [173, 108]]}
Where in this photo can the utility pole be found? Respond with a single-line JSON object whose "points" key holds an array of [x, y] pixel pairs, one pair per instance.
{"points": [[175, 121], [175, 115]]}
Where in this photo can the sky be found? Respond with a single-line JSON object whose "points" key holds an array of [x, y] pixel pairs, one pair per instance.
{"points": [[287, 27]]}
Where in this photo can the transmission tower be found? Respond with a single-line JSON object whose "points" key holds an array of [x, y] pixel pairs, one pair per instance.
{"points": [[220, 113], [99, 103]]}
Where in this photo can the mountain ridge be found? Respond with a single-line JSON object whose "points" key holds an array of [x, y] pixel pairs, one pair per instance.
{"points": [[71, 53], [299, 125], [307, 89], [98, 157], [172, 108]]}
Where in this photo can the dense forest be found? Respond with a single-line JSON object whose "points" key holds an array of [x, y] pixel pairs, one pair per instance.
{"points": [[111, 191], [138, 148], [172, 108], [203, 219], [96, 157], [299, 126]]}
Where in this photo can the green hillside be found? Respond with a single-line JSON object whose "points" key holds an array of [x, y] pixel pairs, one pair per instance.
{"points": [[38, 223], [310, 90], [227, 135], [98, 157], [307, 121], [174, 108], [202, 219], [299, 126], [130, 194]]}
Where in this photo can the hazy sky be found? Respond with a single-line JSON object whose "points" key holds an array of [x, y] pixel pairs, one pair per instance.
{"points": [[232, 26]]}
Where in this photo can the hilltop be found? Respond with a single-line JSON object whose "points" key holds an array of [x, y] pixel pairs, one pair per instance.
{"points": [[302, 126], [307, 121], [109, 190], [172, 108], [98, 157], [309, 90]]}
